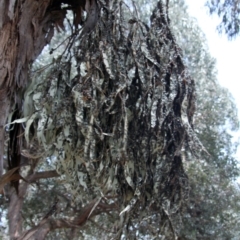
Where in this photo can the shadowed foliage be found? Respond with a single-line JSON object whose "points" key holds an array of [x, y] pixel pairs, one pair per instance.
{"points": [[117, 122]]}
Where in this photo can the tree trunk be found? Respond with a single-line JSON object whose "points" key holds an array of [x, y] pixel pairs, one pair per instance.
{"points": [[16, 202], [25, 28], [14, 211]]}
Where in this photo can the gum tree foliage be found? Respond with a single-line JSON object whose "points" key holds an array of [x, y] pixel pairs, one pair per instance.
{"points": [[228, 11], [211, 211], [200, 220], [118, 127], [211, 97], [213, 201], [114, 110]]}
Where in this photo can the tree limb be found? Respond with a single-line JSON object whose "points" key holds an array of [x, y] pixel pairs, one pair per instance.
{"points": [[42, 175], [49, 224]]}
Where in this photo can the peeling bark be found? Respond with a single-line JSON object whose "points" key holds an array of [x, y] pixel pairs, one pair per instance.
{"points": [[24, 33], [25, 28]]}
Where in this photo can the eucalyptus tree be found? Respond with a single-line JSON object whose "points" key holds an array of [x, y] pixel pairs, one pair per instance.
{"points": [[212, 208], [113, 110], [58, 206], [211, 211]]}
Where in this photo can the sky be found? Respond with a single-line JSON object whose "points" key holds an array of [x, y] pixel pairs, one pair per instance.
{"points": [[226, 52]]}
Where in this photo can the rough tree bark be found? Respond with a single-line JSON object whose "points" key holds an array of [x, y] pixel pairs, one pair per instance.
{"points": [[26, 26]]}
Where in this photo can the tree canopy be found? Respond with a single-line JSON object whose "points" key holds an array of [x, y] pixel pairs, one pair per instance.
{"points": [[228, 11], [105, 129], [211, 210]]}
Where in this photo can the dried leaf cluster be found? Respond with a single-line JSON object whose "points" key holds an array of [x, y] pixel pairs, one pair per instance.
{"points": [[118, 127]]}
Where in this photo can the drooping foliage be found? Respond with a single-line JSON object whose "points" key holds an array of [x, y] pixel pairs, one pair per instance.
{"points": [[216, 112], [210, 212], [115, 109], [228, 11], [212, 209]]}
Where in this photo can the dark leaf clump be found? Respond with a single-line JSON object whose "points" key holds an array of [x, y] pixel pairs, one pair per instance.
{"points": [[115, 109]]}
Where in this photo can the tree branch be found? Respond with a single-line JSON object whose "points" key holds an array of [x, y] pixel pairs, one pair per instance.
{"points": [[42, 175], [46, 225]]}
